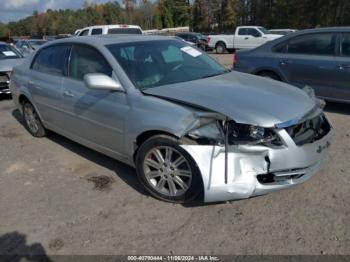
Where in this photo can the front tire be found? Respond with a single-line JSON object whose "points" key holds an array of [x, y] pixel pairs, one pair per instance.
{"points": [[167, 171], [32, 121]]}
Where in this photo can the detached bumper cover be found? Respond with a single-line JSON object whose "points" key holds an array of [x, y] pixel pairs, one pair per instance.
{"points": [[257, 170]]}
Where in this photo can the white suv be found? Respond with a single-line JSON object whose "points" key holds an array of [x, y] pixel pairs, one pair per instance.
{"points": [[110, 29]]}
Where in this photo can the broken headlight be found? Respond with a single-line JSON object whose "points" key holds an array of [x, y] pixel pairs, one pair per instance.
{"points": [[252, 135], [214, 133]]}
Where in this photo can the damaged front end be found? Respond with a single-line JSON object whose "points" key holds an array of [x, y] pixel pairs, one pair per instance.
{"points": [[240, 161]]}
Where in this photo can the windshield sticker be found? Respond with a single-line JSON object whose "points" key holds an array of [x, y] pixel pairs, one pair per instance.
{"points": [[9, 53], [191, 51]]}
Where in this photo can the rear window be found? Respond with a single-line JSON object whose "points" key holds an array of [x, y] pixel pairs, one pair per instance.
{"points": [[129, 31], [52, 60], [96, 31]]}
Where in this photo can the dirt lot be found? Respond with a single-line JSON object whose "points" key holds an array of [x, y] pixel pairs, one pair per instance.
{"points": [[61, 198]]}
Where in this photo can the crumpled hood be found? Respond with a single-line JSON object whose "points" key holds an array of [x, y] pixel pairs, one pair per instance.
{"points": [[244, 98], [7, 65]]}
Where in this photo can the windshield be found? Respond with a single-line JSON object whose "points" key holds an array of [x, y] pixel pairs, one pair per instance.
{"points": [[162, 62], [264, 30], [9, 52]]}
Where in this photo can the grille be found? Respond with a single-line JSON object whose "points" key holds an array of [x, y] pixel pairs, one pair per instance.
{"points": [[309, 131]]}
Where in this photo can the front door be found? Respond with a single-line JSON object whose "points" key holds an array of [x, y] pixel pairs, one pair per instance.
{"points": [[95, 116]]}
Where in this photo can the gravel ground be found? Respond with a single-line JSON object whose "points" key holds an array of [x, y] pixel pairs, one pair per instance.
{"points": [[57, 197]]}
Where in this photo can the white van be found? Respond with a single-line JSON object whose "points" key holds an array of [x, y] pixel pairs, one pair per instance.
{"points": [[110, 30]]}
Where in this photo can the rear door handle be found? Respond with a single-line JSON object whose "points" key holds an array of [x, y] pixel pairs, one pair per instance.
{"points": [[341, 67], [246, 38], [68, 94]]}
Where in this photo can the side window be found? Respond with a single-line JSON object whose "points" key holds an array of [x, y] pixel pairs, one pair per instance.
{"points": [[242, 31], [85, 32], [345, 45], [253, 32], [52, 60], [85, 60], [313, 44], [96, 31], [280, 48]]}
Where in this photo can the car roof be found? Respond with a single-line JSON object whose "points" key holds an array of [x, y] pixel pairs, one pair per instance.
{"points": [[3, 43], [102, 40]]}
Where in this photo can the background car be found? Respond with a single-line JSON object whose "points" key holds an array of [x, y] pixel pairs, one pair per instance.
{"points": [[282, 31], [9, 57], [198, 39], [319, 58], [28, 46], [109, 30]]}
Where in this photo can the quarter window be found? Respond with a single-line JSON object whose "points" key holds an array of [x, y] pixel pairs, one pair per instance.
{"points": [[345, 45], [85, 60], [52, 60], [314, 44]]}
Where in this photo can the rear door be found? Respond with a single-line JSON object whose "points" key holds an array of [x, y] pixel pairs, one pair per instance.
{"points": [[310, 60], [95, 116], [341, 88], [46, 74]]}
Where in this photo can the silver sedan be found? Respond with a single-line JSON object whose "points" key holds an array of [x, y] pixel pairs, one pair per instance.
{"points": [[189, 126]]}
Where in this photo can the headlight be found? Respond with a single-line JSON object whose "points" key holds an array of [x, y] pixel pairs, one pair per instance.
{"points": [[252, 135]]}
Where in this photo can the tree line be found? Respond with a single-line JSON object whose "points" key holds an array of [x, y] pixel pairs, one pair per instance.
{"points": [[200, 15]]}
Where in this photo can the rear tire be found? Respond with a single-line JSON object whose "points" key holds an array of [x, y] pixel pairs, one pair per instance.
{"points": [[32, 121], [167, 171], [220, 48]]}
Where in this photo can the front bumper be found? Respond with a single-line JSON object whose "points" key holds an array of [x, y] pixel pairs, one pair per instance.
{"points": [[257, 170]]}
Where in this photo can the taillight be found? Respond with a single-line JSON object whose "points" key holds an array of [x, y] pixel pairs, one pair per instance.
{"points": [[235, 58], [209, 40]]}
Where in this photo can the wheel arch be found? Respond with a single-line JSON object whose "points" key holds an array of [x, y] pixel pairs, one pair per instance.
{"points": [[269, 70], [22, 98], [145, 135]]}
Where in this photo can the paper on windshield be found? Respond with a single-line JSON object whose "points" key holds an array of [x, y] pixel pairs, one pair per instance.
{"points": [[191, 51], [9, 53]]}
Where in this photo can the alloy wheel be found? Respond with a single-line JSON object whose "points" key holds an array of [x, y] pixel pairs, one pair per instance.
{"points": [[167, 171]]}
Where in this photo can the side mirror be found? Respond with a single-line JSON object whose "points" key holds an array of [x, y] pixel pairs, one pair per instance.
{"points": [[102, 82]]}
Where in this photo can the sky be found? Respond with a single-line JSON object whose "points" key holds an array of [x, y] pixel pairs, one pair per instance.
{"points": [[13, 10]]}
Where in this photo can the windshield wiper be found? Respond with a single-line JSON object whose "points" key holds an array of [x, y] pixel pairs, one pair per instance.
{"points": [[216, 74]]}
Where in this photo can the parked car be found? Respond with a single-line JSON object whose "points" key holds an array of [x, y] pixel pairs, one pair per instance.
{"points": [[186, 123], [28, 46], [245, 37], [282, 31], [9, 57], [110, 30], [319, 58], [198, 39]]}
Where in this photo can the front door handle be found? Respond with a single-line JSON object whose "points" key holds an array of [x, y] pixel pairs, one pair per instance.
{"points": [[68, 94], [246, 38], [284, 62]]}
